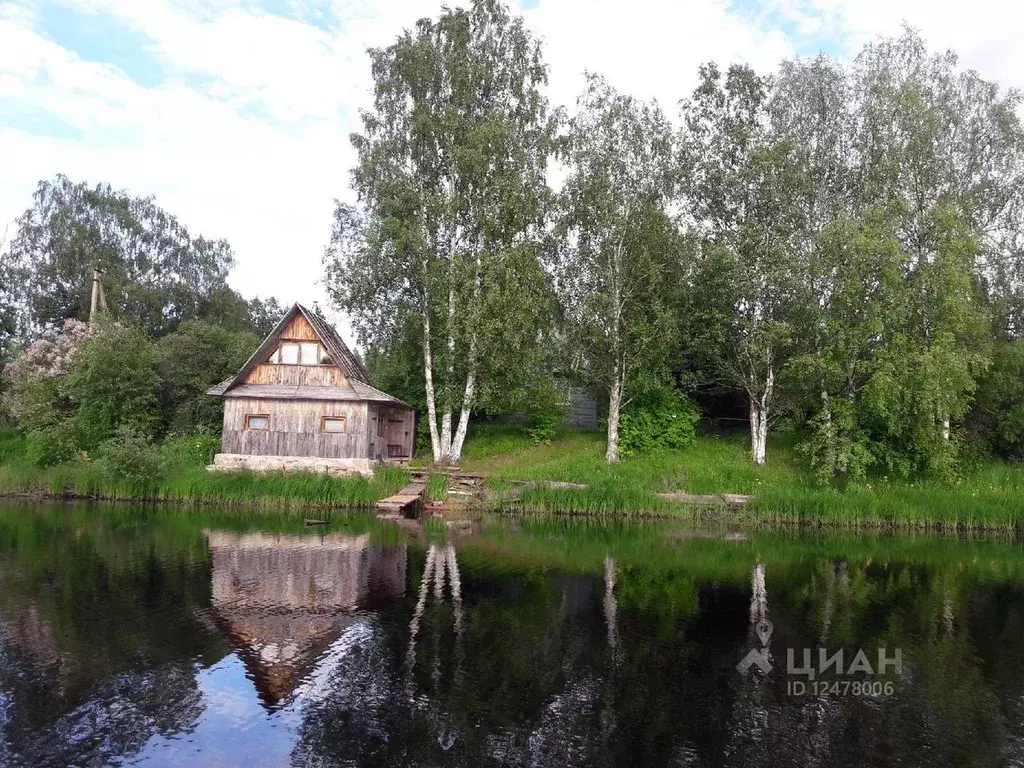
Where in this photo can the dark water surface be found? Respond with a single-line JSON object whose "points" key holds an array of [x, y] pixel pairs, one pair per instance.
{"points": [[150, 637]]}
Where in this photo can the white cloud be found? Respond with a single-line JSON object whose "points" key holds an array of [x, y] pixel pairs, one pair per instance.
{"points": [[247, 136]]}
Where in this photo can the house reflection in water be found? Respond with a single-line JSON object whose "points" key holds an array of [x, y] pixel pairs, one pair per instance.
{"points": [[283, 599]]}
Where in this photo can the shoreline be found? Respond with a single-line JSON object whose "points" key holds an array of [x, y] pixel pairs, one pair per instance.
{"points": [[688, 513]]}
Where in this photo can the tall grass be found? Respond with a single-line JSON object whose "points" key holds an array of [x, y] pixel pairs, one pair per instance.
{"points": [[989, 496], [278, 489], [437, 486]]}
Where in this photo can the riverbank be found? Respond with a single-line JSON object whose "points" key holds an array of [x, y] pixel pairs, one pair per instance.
{"points": [[194, 485], [989, 497]]}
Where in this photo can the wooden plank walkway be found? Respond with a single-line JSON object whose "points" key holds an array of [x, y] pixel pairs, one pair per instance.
{"points": [[406, 500]]}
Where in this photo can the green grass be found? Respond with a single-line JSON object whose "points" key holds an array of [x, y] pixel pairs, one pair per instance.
{"points": [[272, 489], [437, 486], [990, 495]]}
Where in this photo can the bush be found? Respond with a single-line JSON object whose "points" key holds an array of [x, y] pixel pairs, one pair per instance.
{"points": [[660, 420], [12, 446], [113, 382], [542, 427], [129, 456], [545, 408], [182, 452], [51, 445]]}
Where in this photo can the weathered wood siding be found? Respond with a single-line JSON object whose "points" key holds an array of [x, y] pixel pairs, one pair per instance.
{"points": [[295, 428], [299, 329], [389, 425], [582, 410], [297, 375]]}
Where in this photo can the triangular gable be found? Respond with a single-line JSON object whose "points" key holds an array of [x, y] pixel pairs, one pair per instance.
{"points": [[336, 348]]}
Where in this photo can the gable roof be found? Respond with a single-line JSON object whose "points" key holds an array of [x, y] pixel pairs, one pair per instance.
{"points": [[360, 387]]}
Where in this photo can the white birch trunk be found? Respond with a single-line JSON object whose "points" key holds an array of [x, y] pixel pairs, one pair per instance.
{"points": [[467, 403], [470, 391], [428, 368], [446, 417], [756, 449], [611, 454], [945, 429], [759, 404]]}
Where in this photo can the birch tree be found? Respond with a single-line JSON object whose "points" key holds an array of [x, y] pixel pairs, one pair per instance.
{"points": [[740, 181], [451, 199], [617, 241]]}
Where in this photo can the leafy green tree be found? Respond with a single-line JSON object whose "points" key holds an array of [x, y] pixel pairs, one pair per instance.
{"points": [[189, 362], [858, 267], [263, 316], [997, 414], [928, 135], [617, 243], [113, 382], [741, 177], [157, 273], [452, 198], [935, 350]]}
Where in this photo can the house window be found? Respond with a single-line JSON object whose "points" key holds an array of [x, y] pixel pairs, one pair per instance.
{"points": [[300, 353], [259, 422], [332, 424]]}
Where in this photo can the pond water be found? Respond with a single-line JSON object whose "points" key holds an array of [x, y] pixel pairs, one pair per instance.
{"points": [[173, 637]]}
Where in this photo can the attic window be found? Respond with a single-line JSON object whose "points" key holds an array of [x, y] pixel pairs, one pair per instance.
{"points": [[300, 353]]}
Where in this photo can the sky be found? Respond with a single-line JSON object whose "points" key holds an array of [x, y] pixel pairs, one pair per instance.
{"points": [[235, 114]]}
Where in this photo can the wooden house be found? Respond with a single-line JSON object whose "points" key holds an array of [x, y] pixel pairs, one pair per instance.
{"points": [[304, 401]]}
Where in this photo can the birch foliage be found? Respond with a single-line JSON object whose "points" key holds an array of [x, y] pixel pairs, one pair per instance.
{"points": [[451, 201], [617, 243]]}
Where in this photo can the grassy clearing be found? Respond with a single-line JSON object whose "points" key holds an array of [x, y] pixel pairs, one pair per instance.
{"points": [[990, 495]]}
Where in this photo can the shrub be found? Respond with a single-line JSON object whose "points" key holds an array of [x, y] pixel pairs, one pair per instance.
{"points": [[545, 408], [129, 456], [542, 427], [47, 446], [660, 420], [181, 452], [113, 382], [12, 446]]}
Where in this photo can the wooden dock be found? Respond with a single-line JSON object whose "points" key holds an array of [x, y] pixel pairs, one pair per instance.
{"points": [[405, 503]]}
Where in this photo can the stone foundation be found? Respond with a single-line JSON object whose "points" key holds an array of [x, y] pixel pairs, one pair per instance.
{"points": [[225, 462]]}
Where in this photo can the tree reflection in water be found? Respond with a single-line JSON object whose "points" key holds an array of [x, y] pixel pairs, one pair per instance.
{"points": [[170, 640]]}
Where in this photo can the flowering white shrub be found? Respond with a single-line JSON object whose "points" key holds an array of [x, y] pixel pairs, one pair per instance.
{"points": [[36, 375]]}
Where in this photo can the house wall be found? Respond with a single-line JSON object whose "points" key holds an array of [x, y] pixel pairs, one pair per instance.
{"points": [[390, 425], [297, 375], [581, 410], [298, 329], [295, 428]]}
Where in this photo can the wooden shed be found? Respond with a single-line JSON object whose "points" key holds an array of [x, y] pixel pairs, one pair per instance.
{"points": [[304, 401]]}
